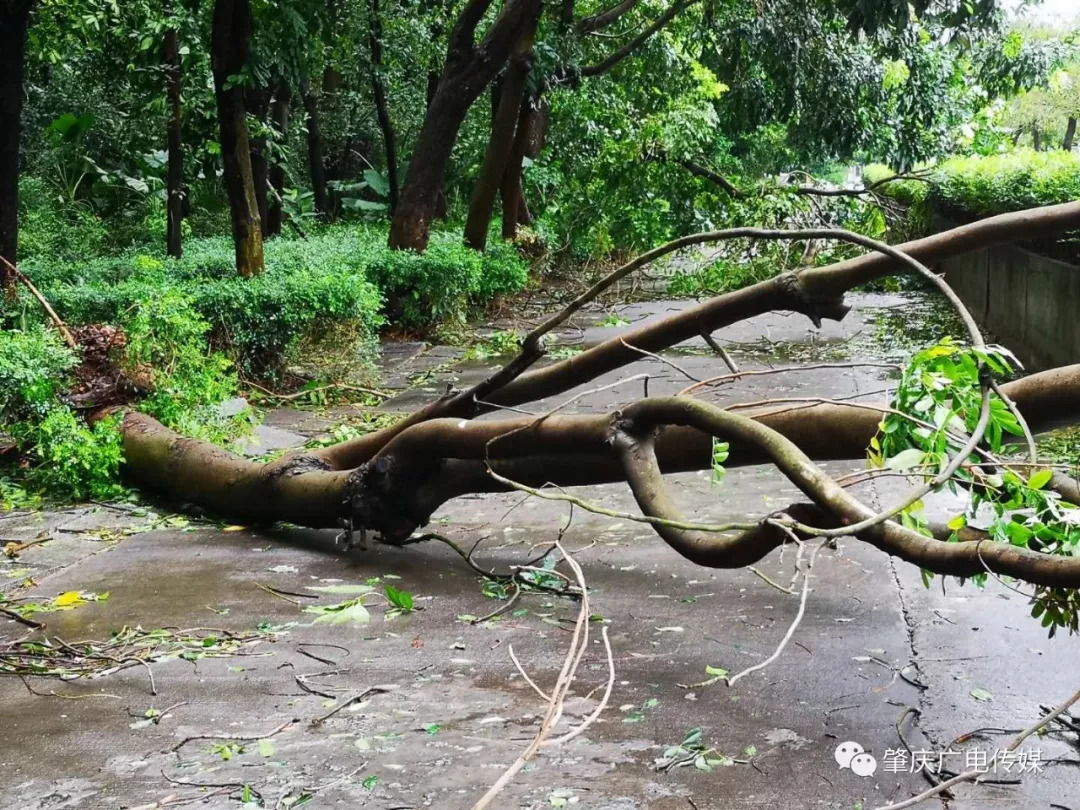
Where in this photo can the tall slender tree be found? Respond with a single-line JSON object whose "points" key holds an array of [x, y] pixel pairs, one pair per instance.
{"points": [[382, 106], [504, 121], [228, 56], [14, 21], [316, 160], [174, 183]]}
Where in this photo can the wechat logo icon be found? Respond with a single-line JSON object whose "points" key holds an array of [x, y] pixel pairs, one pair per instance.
{"points": [[851, 755]]}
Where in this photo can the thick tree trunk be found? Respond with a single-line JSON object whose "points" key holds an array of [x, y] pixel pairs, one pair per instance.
{"points": [[14, 21], [418, 204], [1070, 134], [382, 107], [174, 184], [316, 162], [279, 114], [440, 199], [443, 459], [229, 54], [469, 68], [391, 481], [258, 106], [1036, 139], [497, 157]]}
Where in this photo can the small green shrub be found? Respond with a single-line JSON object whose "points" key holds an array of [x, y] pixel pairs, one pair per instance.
{"points": [[445, 281], [34, 364], [166, 343], [67, 458]]}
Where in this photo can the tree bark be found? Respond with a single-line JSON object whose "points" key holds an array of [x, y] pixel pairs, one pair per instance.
{"points": [[279, 114], [257, 101], [442, 459], [316, 162], [604, 18], [497, 156], [1070, 134], [1036, 139], [228, 56], [14, 21], [469, 68], [432, 86], [514, 208], [174, 184], [382, 107]]}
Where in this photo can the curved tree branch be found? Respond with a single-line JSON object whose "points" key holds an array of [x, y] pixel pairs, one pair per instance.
{"points": [[634, 440], [613, 59]]}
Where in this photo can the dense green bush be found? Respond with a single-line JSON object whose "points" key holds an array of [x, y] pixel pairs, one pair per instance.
{"points": [[255, 321], [445, 281], [334, 281], [995, 184], [55, 230], [984, 185], [966, 188]]}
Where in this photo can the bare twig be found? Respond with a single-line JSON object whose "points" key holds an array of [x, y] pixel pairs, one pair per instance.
{"points": [[18, 617], [234, 737], [374, 690], [61, 327], [732, 680], [578, 645]]}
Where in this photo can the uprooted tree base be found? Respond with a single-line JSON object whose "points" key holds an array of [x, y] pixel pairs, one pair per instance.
{"points": [[391, 481]]}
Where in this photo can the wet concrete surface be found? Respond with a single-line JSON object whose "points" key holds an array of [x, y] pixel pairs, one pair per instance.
{"points": [[873, 643]]}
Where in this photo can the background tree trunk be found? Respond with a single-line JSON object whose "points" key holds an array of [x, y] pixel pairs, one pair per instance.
{"points": [[1036, 139], [228, 55], [258, 105], [382, 108], [515, 209], [469, 68], [315, 153], [279, 114], [418, 203], [14, 20], [174, 184], [500, 145], [1070, 134], [432, 86]]}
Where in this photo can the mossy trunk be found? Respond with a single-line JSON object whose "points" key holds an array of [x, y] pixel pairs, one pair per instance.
{"points": [[229, 54], [257, 102]]}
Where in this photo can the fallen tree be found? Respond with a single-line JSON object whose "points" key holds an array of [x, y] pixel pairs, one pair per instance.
{"points": [[391, 481]]}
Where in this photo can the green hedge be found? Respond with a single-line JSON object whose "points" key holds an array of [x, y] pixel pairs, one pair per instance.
{"points": [[980, 186], [963, 189], [336, 283]]}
